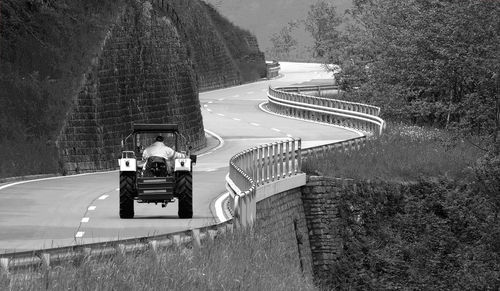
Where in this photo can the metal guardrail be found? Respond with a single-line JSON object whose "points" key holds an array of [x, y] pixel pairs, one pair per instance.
{"points": [[56, 256], [273, 69], [343, 113], [267, 163], [255, 167]]}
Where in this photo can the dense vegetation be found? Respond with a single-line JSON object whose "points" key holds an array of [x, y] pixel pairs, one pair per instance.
{"points": [[425, 214], [243, 261], [432, 63], [45, 47]]}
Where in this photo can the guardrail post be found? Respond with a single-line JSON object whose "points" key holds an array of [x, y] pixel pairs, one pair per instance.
{"points": [[120, 249], [299, 150], [294, 159], [195, 234], [45, 257], [153, 245], [258, 178], [287, 158], [4, 264]]}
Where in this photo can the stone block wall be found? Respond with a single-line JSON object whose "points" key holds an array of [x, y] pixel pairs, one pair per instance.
{"points": [[143, 74], [149, 69], [320, 197], [283, 216]]}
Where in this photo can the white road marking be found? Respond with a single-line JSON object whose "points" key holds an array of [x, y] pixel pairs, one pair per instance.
{"points": [[220, 114], [216, 136], [221, 99], [103, 197], [210, 102], [250, 92], [54, 178], [210, 170], [254, 124], [289, 135], [117, 189], [209, 110], [236, 119], [91, 208], [275, 129], [236, 96], [218, 207], [85, 219], [205, 105], [80, 234]]}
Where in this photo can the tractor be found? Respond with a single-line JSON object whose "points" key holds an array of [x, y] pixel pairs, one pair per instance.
{"points": [[156, 179]]}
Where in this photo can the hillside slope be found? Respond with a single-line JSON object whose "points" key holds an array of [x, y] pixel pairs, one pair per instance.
{"points": [[76, 75]]}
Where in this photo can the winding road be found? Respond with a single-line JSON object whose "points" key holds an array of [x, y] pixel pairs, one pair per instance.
{"points": [[62, 211]]}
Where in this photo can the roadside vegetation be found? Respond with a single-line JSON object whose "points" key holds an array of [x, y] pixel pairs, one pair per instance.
{"points": [[244, 261], [425, 213]]}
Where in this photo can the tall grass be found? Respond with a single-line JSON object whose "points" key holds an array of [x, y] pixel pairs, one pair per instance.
{"points": [[240, 261], [403, 153]]}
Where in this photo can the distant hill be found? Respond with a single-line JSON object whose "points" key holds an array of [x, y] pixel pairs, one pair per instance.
{"points": [[265, 17]]}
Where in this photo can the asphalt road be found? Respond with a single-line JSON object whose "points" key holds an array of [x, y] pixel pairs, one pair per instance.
{"points": [[70, 210]]}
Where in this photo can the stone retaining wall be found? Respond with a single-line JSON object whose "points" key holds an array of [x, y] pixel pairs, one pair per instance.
{"points": [[282, 216]]}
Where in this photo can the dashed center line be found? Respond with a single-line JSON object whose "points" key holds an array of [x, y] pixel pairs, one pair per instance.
{"points": [[85, 219], [275, 129], [209, 110], [210, 102], [254, 124], [91, 208], [103, 197], [236, 96], [205, 105], [221, 99], [289, 135], [236, 119], [117, 189], [220, 114], [80, 234]]}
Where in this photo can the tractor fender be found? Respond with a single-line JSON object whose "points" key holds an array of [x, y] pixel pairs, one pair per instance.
{"points": [[182, 165]]}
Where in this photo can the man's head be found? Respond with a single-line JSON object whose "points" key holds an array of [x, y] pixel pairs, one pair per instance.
{"points": [[159, 138]]}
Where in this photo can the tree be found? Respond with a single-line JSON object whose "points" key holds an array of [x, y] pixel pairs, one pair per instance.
{"points": [[283, 41], [430, 62], [322, 22]]}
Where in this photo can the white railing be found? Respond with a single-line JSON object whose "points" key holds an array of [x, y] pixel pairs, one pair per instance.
{"points": [[258, 166], [269, 163], [342, 113]]}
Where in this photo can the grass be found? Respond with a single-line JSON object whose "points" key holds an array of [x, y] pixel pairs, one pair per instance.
{"points": [[403, 153], [240, 261]]}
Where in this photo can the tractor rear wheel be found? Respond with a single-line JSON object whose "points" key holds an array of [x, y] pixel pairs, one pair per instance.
{"points": [[184, 191], [127, 189]]}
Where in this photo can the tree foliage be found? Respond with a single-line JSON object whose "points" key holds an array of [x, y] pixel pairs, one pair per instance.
{"points": [[283, 41], [429, 62]]}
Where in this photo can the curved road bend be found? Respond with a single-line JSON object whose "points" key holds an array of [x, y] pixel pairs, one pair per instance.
{"points": [[84, 209]]}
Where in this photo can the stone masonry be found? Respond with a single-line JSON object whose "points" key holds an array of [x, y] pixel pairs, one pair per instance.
{"points": [[150, 67], [282, 216]]}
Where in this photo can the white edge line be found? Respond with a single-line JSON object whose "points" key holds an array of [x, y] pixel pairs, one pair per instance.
{"points": [[53, 178], [221, 142], [261, 106], [218, 207]]}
